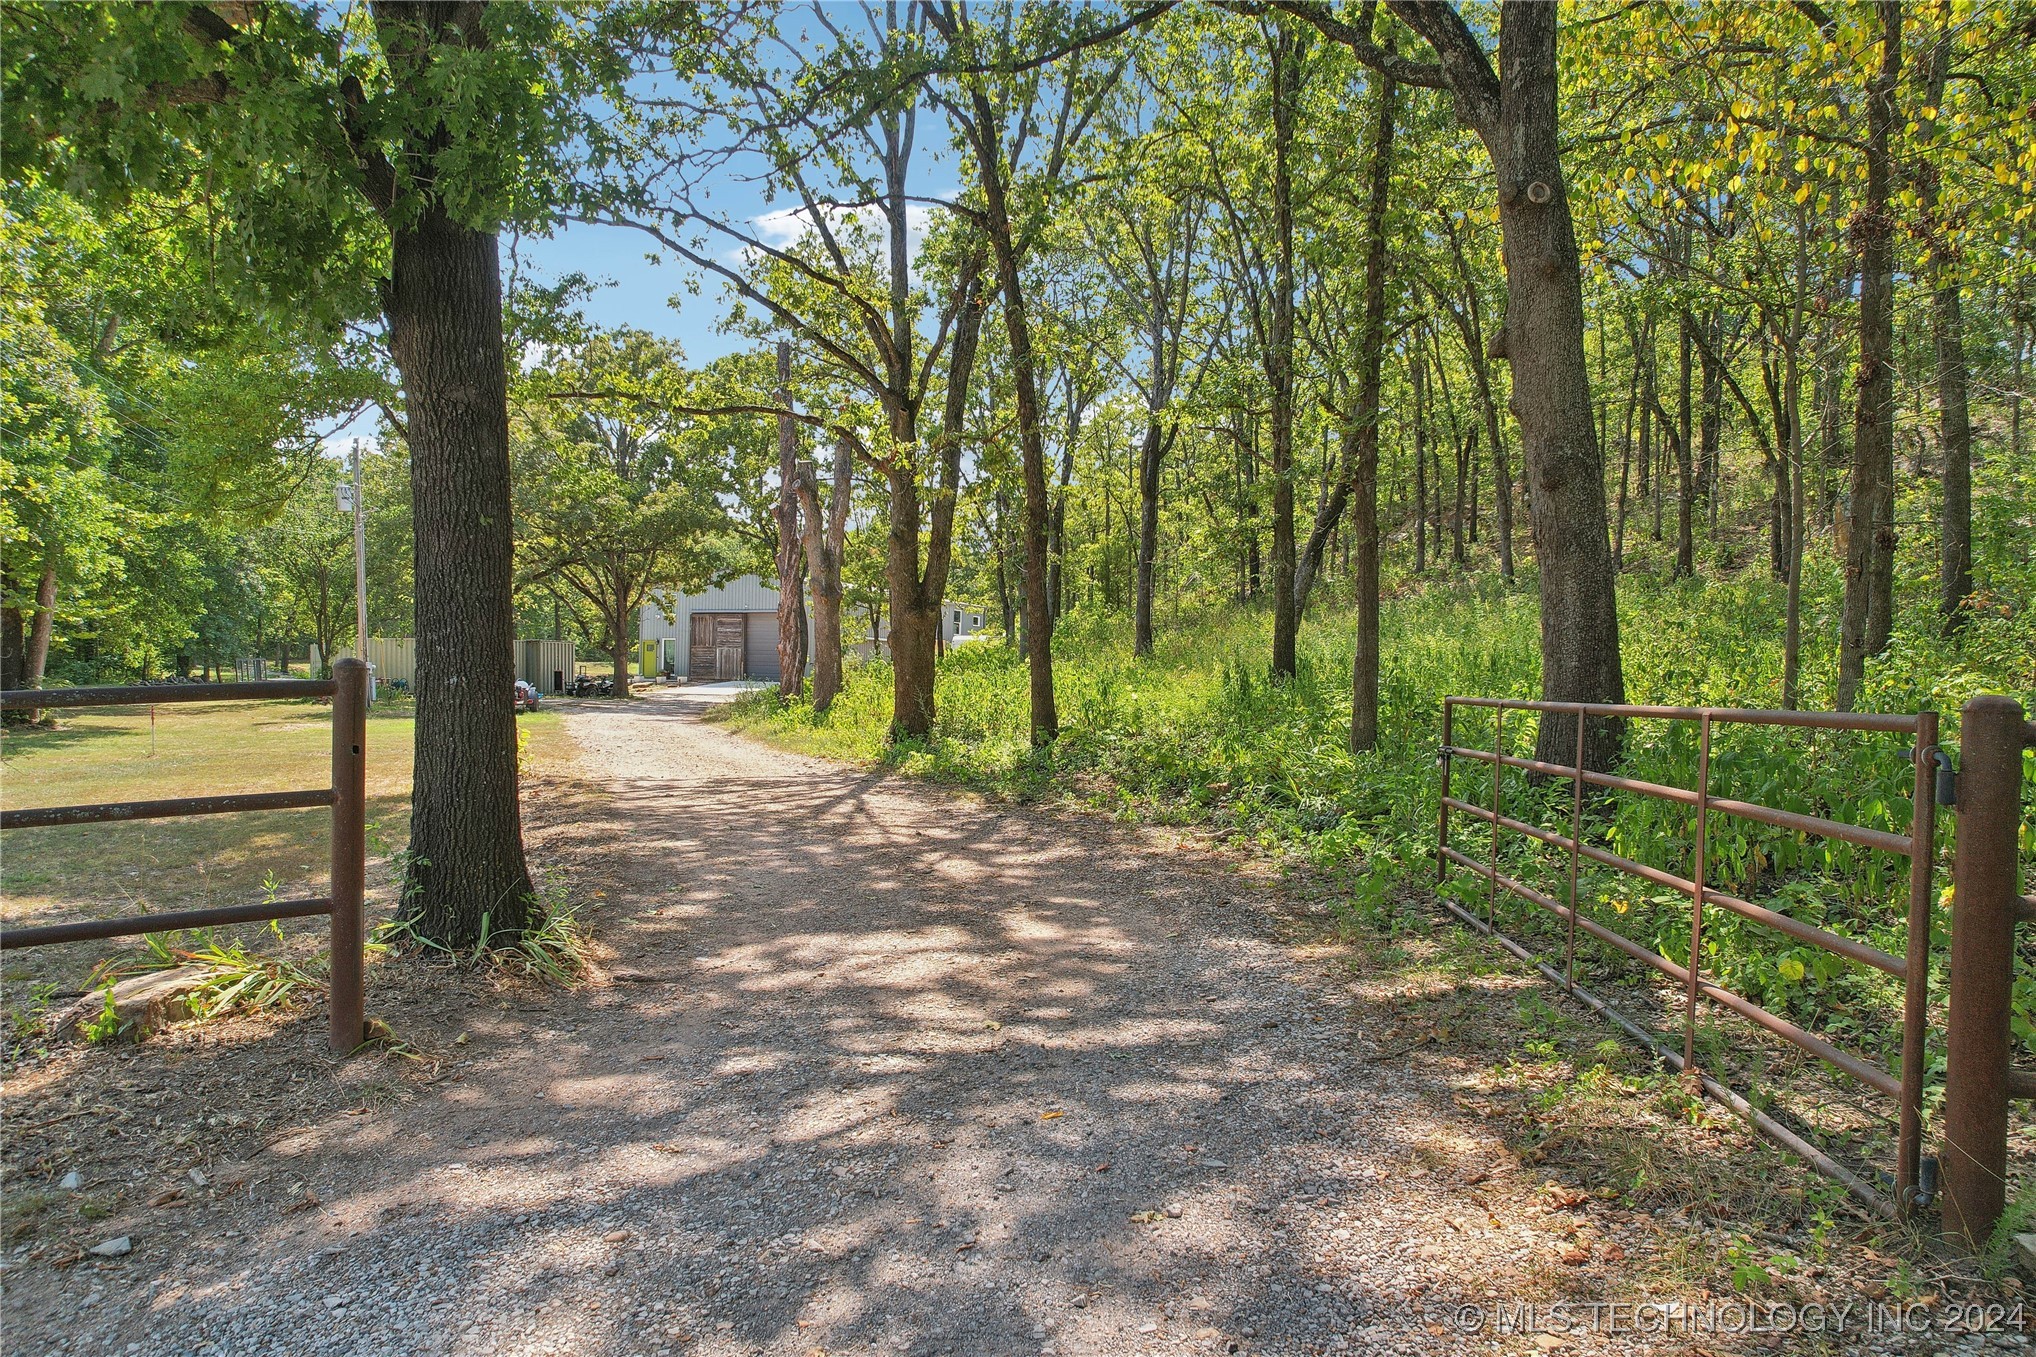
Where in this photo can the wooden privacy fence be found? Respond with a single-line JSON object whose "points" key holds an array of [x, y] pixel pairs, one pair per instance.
{"points": [[1988, 904], [347, 797], [546, 665]]}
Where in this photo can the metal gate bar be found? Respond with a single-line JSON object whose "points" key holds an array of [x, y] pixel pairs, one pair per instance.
{"points": [[1918, 845]]}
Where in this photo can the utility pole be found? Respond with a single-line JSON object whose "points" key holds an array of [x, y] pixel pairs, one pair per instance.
{"points": [[360, 570]]}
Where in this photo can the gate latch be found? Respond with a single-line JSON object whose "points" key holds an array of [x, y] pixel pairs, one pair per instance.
{"points": [[1947, 777]]}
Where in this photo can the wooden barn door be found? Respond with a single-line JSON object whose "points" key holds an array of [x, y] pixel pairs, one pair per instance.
{"points": [[700, 649], [728, 645]]}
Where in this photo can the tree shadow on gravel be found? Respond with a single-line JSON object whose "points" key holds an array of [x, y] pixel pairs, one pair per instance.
{"points": [[876, 1069]]}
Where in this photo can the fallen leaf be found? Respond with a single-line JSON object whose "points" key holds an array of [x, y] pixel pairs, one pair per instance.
{"points": [[1051, 1116], [994, 1026], [1103, 1167]]}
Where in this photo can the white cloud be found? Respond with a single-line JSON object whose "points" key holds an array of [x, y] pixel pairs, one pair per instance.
{"points": [[792, 226]]}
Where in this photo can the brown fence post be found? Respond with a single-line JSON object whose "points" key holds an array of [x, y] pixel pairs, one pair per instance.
{"points": [[349, 850], [1985, 893]]}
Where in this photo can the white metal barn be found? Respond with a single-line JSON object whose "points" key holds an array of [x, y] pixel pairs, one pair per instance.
{"points": [[731, 631]]}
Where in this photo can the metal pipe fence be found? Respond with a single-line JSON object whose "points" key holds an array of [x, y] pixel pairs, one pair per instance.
{"points": [[346, 796], [1904, 1085], [1991, 900]]}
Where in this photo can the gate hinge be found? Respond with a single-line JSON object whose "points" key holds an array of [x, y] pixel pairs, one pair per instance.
{"points": [[1947, 776]]}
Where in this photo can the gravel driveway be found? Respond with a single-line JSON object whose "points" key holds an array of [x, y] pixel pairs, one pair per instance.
{"points": [[878, 1070]]}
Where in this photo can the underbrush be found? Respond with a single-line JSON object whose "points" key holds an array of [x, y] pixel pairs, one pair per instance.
{"points": [[1199, 734], [556, 948]]}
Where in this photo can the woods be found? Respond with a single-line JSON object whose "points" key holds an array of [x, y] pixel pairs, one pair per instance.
{"points": [[1102, 319]]}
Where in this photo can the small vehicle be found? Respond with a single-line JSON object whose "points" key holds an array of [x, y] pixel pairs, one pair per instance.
{"points": [[527, 697]]}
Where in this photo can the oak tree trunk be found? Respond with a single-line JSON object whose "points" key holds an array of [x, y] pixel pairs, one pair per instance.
{"points": [[1954, 421], [1364, 525], [443, 303], [1544, 331], [1151, 454]]}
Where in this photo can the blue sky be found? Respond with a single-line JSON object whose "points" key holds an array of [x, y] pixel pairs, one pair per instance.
{"points": [[631, 290]]}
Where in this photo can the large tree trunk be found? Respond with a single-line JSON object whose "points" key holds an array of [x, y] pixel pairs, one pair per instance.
{"points": [[1364, 674], [912, 623], [444, 308], [40, 621], [1544, 334], [618, 654], [1032, 453], [1869, 562], [791, 572], [916, 596]]}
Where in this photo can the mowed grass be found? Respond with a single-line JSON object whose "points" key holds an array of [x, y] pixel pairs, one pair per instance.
{"points": [[152, 866]]}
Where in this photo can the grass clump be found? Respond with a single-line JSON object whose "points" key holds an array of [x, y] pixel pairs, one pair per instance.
{"points": [[237, 980], [557, 948]]}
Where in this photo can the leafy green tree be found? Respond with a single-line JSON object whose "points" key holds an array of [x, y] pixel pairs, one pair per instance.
{"points": [[360, 163], [612, 498]]}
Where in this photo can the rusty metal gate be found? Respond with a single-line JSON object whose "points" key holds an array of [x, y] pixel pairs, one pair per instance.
{"points": [[347, 797], [1912, 968], [1990, 900]]}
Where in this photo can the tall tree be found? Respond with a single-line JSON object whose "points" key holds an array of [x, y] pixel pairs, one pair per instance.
{"points": [[1868, 614], [791, 560], [1947, 336], [1004, 105], [825, 534], [875, 293], [1514, 111], [328, 141]]}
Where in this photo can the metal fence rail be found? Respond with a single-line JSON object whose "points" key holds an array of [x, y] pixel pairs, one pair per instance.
{"points": [[1906, 1086], [346, 796]]}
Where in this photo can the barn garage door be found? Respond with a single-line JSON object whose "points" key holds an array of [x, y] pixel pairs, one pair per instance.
{"points": [[715, 649], [760, 657]]}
